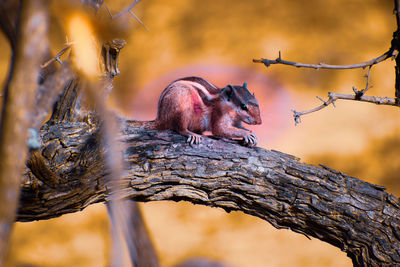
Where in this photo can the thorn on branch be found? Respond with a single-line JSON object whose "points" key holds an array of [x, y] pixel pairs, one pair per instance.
{"points": [[325, 102]]}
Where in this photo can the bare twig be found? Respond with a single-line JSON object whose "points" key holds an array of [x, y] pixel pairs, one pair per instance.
{"points": [[279, 60], [108, 11], [360, 93], [56, 57], [138, 20], [367, 76], [126, 10], [332, 97]]}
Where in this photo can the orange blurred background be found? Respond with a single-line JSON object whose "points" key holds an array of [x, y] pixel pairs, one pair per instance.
{"points": [[218, 40]]}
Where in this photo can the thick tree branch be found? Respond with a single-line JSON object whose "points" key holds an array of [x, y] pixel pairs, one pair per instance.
{"points": [[69, 174]]}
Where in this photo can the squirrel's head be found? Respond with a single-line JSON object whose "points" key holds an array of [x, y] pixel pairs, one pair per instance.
{"points": [[243, 102]]}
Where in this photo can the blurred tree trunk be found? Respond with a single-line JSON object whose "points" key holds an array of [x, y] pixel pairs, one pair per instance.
{"points": [[29, 44]]}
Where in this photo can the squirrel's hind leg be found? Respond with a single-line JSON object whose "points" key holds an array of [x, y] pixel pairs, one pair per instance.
{"points": [[181, 125]]}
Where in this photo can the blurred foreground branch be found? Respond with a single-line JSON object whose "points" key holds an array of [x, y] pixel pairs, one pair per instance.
{"points": [[29, 45]]}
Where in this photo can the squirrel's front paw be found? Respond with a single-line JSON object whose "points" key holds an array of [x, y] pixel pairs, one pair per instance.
{"points": [[250, 139], [193, 139]]}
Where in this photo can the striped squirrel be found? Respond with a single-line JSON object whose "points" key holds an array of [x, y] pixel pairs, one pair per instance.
{"points": [[191, 105]]}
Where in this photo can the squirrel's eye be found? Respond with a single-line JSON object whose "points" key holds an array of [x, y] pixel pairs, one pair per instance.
{"points": [[244, 107]]}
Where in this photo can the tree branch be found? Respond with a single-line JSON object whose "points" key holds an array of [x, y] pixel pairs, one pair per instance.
{"points": [[10, 12], [48, 92], [363, 65], [17, 111], [69, 174], [134, 231], [332, 97], [56, 57], [126, 10], [396, 44]]}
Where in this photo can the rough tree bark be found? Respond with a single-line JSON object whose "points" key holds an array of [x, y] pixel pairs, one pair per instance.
{"points": [[68, 174]]}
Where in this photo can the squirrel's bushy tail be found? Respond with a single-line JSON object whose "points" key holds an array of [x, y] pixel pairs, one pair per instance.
{"points": [[148, 125]]}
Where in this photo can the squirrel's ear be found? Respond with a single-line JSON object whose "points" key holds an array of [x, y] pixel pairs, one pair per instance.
{"points": [[228, 92], [244, 85]]}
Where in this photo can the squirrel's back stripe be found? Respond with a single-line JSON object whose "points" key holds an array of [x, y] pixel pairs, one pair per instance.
{"points": [[205, 93], [212, 89]]}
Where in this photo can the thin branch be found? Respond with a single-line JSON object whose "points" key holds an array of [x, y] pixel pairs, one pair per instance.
{"points": [[360, 93], [279, 60], [127, 10], [56, 57], [108, 10], [123, 11], [367, 76], [138, 20], [332, 97]]}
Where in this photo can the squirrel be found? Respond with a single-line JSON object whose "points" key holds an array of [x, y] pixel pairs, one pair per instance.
{"points": [[191, 105]]}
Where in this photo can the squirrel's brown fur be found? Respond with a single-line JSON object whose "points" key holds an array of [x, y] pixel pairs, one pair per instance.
{"points": [[192, 105]]}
